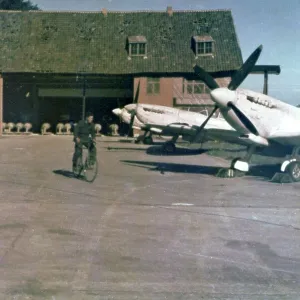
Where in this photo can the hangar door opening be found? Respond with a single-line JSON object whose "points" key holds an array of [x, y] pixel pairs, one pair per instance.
{"points": [[66, 104]]}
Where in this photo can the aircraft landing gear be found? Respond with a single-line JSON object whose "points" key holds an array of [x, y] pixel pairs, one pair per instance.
{"points": [[291, 166], [145, 139], [148, 140], [239, 166], [293, 169], [229, 173], [169, 146]]}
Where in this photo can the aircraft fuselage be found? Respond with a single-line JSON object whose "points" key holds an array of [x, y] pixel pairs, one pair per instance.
{"points": [[261, 115]]}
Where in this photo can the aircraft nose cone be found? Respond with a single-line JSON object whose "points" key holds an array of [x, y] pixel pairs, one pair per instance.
{"points": [[117, 111], [223, 96]]}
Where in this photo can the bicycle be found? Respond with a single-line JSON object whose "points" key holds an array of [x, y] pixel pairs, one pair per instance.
{"points": [[84, 168]]}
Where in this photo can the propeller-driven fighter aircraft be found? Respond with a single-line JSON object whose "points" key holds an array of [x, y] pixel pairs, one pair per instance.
{"points": [[263, 121], [168, 121]]}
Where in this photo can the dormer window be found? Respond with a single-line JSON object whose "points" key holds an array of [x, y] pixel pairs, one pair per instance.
{"points": [[203, 45], [137, 46], [204, 48]]}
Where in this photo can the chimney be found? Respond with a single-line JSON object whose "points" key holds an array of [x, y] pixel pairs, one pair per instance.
{"points": [[169, 11], [104, 11]]}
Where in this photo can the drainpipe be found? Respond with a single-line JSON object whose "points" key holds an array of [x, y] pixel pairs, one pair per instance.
{"points": [[83, 97]]}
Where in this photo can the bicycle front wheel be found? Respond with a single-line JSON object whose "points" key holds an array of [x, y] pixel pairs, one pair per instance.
{"points": [[91, 171]]}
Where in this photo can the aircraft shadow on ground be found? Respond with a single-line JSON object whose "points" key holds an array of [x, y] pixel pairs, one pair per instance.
{"points": [[125, 141], [266, 171], [126, 149], [227, 149], [130, 141], [158, 151]]}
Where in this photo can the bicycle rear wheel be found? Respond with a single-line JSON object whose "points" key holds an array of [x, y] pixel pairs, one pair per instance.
{"points": [[79, 167]]}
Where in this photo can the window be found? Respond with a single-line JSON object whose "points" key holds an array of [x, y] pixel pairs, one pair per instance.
{"points": [[137, 49], [195, 87], [137, 46], [203, 45], [153, 86]]}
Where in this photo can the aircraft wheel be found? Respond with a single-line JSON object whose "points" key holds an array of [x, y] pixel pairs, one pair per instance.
{"points": [[234, 161], [169, 147], [137, 141], [240, 165], [293, 169]]}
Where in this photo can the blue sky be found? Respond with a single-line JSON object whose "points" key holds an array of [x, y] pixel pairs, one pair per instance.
{"points": [[273, 23]]}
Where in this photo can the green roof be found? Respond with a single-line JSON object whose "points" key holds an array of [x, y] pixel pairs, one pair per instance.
{"points": [[92, 42]]}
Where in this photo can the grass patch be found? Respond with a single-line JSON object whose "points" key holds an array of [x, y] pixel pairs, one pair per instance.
{"points": [[62, 231], [13, 226], [33, 287]]}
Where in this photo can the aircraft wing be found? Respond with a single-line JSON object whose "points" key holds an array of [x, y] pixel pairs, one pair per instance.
{"points": [[225, 135], [171, 129], [188, 131], [286, 137]]}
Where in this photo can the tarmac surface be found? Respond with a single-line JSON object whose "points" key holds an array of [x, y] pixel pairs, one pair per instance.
{"points": [[150, 226]]}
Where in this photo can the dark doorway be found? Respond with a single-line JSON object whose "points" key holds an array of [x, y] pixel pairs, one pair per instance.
{"points": [[55, 110], [102, 109]]}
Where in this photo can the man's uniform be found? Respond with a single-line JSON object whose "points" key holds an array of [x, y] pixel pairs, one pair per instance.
{"points": [[86, 132]]}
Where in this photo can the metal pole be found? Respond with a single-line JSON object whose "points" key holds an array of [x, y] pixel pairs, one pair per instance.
{"points": [[266, 83], [83, 99]]}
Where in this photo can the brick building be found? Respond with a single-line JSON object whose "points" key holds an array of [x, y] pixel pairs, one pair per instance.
{"points": [[49, 60]]}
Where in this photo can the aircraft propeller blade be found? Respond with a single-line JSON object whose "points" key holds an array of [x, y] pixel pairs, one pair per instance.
{"points": [[244, 71], [206, 77], [131, 122], [244, 119], [136, 97], [199, 130], [133, 113]]}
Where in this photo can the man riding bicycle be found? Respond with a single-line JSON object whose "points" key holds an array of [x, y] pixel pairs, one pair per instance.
{"points": [[85, 135]]}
